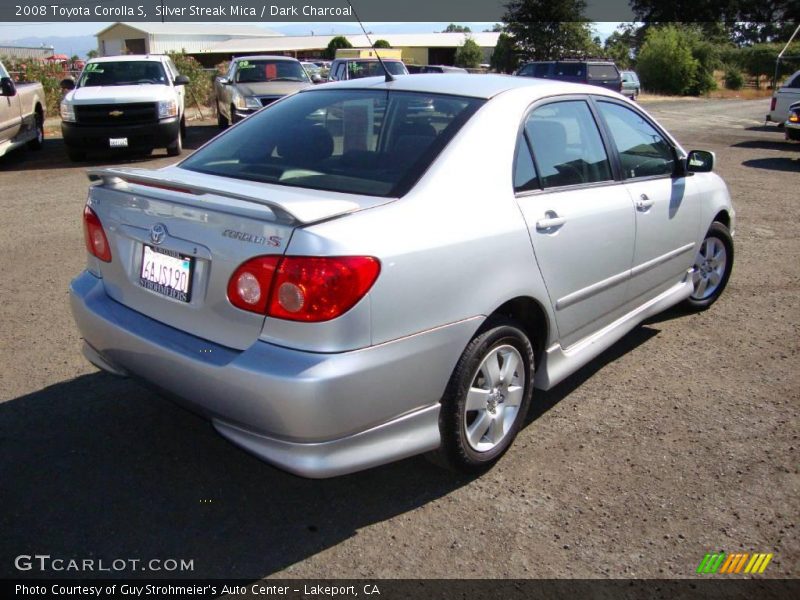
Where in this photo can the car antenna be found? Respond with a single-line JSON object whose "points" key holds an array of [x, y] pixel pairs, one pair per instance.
{"points": [[389, 76]]}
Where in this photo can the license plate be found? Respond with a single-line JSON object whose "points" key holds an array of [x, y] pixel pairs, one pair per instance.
{"points": [[118, 142], [167, 272]]}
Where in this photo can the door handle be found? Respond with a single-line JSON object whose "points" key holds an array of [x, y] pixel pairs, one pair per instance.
{"points": [[550, 222], [644, 203]]}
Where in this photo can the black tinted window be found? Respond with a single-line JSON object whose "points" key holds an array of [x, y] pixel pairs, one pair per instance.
{"points": [[570, 69], [602, 72], [643, 152], [794, 83], [527, 71], [567, 144], [524, 171], [356, 141]]}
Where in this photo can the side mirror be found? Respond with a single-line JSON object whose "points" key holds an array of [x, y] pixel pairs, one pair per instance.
{"points": [[182, 80], [224, 81], [315, 78], [7, 87], [699, 161], [67, 85]]}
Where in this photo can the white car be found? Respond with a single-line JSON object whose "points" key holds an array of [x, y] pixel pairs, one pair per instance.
{"points": [[131, 102], [783, 98], [342, 280]]}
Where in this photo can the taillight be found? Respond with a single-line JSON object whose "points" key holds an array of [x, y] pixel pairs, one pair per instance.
{"points": [[302, 288], [95, 237], [250, 284], [794, 117], [773, 103]]}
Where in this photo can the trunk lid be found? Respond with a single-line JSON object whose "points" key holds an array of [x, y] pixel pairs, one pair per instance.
{"points": [[211, 225]]}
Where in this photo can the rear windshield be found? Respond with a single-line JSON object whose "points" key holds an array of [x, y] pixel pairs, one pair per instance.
{"points": [[368, 142], [128, 72], [372, 68], [602, 72], [259, 71]]}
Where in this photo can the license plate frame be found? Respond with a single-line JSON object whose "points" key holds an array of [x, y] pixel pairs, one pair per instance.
{"points": [[161, 259], [118, 142]]}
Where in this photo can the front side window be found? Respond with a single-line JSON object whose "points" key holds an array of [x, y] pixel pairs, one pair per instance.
{"points": [[3, 72], [567, 144], [262, 71], [370, 142], [643, 151], [128, 72]]}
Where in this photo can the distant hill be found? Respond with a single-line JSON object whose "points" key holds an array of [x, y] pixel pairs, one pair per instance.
{"points": [[79, 44]]}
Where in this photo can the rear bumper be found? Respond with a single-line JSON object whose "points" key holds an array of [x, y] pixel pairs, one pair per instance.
{"points": [[159, 134], [316, 415]]}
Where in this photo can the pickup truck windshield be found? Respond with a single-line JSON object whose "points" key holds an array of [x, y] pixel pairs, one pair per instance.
{"points": [[259, 71], [128, 72], [370, 142]]}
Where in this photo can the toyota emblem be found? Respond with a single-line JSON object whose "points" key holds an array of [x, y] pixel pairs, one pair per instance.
{"points": [[157, 233]]}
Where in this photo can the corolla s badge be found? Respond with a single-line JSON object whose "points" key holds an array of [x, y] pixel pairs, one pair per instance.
{"points": [[157, 233]]}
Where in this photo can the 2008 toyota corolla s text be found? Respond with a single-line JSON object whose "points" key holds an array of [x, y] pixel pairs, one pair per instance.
{"points": [[373, 269]]}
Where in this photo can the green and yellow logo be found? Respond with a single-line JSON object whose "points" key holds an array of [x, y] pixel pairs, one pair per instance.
{"points": [[737, 562]]}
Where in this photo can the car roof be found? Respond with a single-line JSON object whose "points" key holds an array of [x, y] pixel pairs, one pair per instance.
{"points": [[266, 57], [129, 58], [465, 84]]}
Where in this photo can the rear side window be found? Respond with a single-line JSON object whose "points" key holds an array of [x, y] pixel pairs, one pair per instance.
{"points": [[567, 144], [541, 70], [370, 142], [526, 71], [643, 151], [570, 70], [603, 72]]}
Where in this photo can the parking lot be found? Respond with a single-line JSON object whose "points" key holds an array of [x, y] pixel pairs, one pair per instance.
{"points": [[680, 440]]}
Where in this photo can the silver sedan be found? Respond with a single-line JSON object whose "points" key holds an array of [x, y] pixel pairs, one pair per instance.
{"points": [[369, 270]]}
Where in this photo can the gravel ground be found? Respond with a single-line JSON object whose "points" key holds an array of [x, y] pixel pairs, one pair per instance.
{"points": [[680, 440]]}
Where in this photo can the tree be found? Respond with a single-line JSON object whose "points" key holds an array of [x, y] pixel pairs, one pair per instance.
{"points": [[453, 28], [622, 45], [92, 54], [338, 42], [505, 56], [676, 59], [469, 55], [549, 29], [381, 44]]}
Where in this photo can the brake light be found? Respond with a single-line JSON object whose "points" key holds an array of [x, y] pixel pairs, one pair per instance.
{"points": [[95, 237], [773, 103], [250, 284], [302, 288]]}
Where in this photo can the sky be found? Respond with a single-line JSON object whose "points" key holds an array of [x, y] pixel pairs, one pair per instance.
{"points": [[13, 31]]}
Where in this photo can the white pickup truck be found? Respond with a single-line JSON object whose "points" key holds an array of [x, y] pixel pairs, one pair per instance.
{"points": [[22, 112], [783, 98], [132, 102]]}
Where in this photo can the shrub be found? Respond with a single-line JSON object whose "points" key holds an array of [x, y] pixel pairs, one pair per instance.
{"points": [[201, 83], [47, 73], [382, 44], [734, 80], [505, 57], [338, 42], [677, 60], [469, 55]]}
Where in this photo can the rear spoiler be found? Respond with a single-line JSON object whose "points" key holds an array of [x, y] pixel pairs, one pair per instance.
{"points": [[121, 177]]}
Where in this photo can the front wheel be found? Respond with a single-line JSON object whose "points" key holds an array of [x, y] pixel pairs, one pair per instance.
{"points": [[712, 268], [486, 399], [176, 147], [37, 142]]}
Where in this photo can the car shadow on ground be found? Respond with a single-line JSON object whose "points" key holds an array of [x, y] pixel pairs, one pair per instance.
{"points": [[779, 163], [53, 154], [778, 144], [100, 467]]}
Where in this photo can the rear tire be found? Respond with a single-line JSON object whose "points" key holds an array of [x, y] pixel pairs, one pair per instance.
{"points": [[487, 398], [713, 265], [37, 142]]}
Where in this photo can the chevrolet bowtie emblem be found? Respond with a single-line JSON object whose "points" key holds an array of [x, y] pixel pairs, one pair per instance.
{"points": [[116, 113]]}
